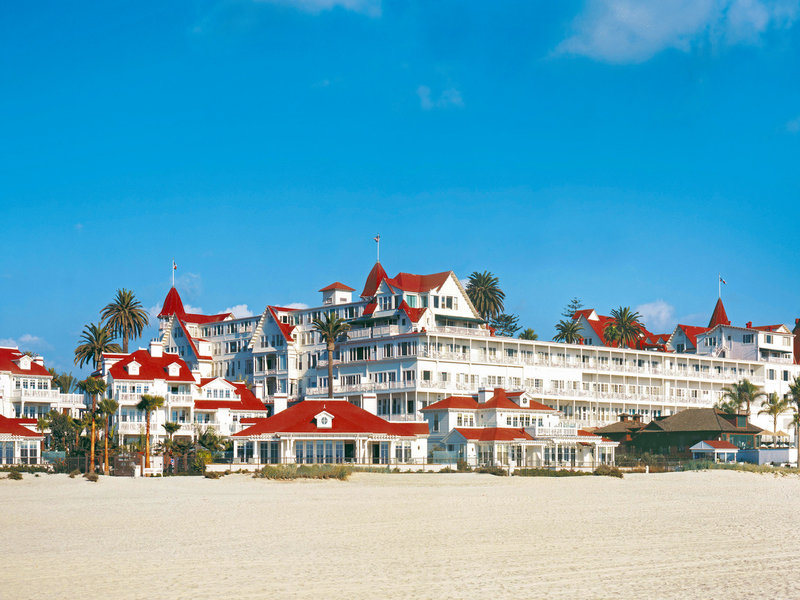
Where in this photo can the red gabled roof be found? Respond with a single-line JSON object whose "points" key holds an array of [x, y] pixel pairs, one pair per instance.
{"points": [[493, 434], [370, 308], [191, 341], [173, 305], [720, 445], [376, 275], [647, 339], [151, 368], [414, 314], [691, 332], [347, 418], [501, 401], [766, 327], [337, 286], [453, 402], [718, 317], [408, 282], [15, 427], [246, 399], [285, 328], [9, 355]]}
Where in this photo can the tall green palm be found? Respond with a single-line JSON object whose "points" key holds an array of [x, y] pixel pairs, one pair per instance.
{"points": [[170, 427], [528, 334], [66, 382], [568, 331], [94, 387], [774, 406], [485, 294], [108, 408], [125, 317], [96, 340], [42, 423], [794, 398], [743, 393], [332, 329], [625, 327], [147, 405]]}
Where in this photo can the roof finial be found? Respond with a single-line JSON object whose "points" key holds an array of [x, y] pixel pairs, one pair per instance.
{"points": [[377, 239], [719, 286], [174, 268]]}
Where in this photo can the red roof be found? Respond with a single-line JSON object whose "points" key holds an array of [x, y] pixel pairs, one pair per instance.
{"points": [[691, 332], [376, 275], [493, 434], [151, 368], [246, 399], [9, 355], [766, 327], [500, 401], [347, 418], [15, 427], [337, 286], [191, 341], [370, 308], [414, 314], [718, 317], [720, 445], [285, 328], [174, 306], [647, 338], [408, 282], [454, 402]]}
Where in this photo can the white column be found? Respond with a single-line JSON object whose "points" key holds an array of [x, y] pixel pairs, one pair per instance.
{"points": [[257, 450]]}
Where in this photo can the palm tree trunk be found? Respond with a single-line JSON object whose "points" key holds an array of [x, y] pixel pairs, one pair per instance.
{"points": [[330, 369], [125, 342], [91, 458], [147, 441], [105, 443]]}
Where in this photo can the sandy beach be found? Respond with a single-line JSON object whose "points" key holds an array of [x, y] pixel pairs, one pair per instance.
{"points": [[678, 535]]}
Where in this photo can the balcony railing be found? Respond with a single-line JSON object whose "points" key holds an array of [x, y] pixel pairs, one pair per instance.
{"points": [[29, 395]]}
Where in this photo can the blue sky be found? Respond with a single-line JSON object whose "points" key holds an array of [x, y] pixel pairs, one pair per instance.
{"points": [[623, 152]]}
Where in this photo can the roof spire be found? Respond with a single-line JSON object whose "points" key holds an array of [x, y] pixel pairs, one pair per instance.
{"points": [[719, 316]]}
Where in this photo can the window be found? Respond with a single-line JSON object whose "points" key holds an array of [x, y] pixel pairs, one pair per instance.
{"points": [[747, 338], [768, 339]]}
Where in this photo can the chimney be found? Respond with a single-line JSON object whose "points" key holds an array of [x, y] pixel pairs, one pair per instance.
{"points": [[749, 324], [156, 348], [279, 403], [39, 360], [484, 394]]}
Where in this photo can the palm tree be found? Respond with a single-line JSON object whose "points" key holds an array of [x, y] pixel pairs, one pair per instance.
{"points": [[794, 395], [774, 406], [332, 329], [209, 440], [625, 327], [42, 423], [568, 332], [528, 334], [66, 383], [95, 387], [742, 393], [125, 317], [108, 408], [170, 427], [485, 294], [96, 341], [729, 407], [147, 405]]}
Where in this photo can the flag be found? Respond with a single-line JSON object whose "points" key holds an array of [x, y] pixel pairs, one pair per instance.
{"points": [[721, 280], [174, 266], [377, 238]]}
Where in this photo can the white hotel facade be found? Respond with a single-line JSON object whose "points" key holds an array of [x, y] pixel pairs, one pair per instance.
{"points": [[417, 339]]}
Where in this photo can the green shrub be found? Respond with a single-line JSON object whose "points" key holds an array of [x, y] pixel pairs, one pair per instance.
{"points": [[463, 467], [26, 468], [74, 473], [499, 471], [93, 477], [608, 471], [214, 474], [446, 470], [287, 472], [15, 475], [544, 472]]}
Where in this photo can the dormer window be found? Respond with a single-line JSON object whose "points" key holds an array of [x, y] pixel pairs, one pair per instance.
{"points": [[25, 363], [324, 420], [174, 369], [133, 368]]}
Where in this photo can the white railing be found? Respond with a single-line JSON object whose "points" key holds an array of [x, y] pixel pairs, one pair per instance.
{"points": [[128, 398], [461, 331], [564, 431], [29, 395], [179, 399], [71, 399]]}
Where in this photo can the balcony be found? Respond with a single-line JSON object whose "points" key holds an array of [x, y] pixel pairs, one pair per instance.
{"points": [[28, 395], [461, 331], [184, 399]]}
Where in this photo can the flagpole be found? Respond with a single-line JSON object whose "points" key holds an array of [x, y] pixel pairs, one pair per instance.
{"points": [[719, 286], [173, 272]]}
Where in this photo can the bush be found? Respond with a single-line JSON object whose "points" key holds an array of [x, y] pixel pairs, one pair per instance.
{"points": [[543, 472], [608, 471], [499, 471], [26, 468], [93, 477], [446, 470], [74, 473], [463, 467], [288, 472], [214, 474], [15, 475], [201, 459]]}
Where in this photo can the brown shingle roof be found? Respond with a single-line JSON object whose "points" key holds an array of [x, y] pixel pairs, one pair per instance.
{"points": [[698, 419]]}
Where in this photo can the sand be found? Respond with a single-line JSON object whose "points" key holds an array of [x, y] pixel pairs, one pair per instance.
{"points": [[677, 535]]}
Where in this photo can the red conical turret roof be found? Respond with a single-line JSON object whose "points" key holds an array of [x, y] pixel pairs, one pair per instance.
{"points": [[172, 305], [718, 317], [376, 275]]}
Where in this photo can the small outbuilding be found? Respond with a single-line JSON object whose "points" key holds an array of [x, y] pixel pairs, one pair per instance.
{"points": [[716, 450]]}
